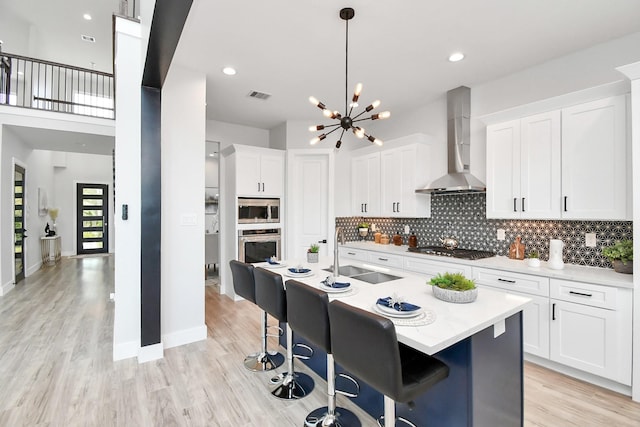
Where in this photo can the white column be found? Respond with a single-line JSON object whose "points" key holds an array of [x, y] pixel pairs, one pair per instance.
{"points": [[632, 71], [128, 71]]}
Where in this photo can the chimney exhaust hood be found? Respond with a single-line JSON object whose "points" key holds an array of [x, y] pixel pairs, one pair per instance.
{"points": [[458, 180]]}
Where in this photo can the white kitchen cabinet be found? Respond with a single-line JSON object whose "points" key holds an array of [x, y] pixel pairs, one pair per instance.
{"points": [[380, 258], [356, 254], [535, 316], [260, 173], [402, 171], [365, 181], [594, 160], [586, 336], [432, 268], [523, 168]]}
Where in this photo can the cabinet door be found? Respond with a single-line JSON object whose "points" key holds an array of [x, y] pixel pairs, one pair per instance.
{"points": [[540, 166], [594, 176], [503, 164], [585, 338], [535, 326], [390, 182], [271, 175], [365, 194], [248, 181]]}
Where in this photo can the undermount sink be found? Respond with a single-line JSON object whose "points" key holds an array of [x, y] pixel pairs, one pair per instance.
{"points": [[349, 270], [376, 277], [369, 276]]}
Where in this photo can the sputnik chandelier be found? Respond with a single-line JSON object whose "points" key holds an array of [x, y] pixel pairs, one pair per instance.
{"points": [[346, 122]]}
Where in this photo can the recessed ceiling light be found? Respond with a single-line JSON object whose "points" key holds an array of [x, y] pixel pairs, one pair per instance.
{"points": [[455, 57], [229, 71], [87, 16]]}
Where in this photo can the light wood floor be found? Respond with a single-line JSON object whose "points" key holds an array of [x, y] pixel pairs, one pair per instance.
{"points": [[56, 368]]}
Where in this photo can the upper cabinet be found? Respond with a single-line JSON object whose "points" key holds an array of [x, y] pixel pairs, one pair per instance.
{"points": [[523, 168], [384, 182], [402, 171], [594, 160], [365, 179], [260, 173], [564, 164]]}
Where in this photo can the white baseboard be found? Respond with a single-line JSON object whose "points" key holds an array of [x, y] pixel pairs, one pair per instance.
{"points": [[150, 352], [581, 375], [6, 288], [186, 336], [29, 271], [125, 350]]}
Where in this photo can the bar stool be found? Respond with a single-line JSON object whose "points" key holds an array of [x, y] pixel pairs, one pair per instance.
{"points": [[244, 285], [366, 345], [272, 298], [308, 316]]}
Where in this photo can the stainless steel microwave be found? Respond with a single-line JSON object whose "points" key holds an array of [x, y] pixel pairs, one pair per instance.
{"points": [[255, 211]]}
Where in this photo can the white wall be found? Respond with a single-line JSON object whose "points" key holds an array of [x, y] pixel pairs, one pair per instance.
{"points": [[228, 133], [80, 168], [183, 172]]}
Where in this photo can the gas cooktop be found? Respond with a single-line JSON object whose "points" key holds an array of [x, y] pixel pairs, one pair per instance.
{"points": [[470, 254]]}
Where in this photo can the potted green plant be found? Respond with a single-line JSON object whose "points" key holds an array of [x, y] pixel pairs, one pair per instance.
{"points": [[363, 229], [533, 259], [454, 287], [621, 256], [313, 252]]}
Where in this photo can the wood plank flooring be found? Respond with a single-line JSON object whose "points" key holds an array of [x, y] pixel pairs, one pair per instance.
{"points": [[56, 369]]}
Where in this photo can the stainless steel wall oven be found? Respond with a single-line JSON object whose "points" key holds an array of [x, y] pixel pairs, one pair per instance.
{"points": [[258, 245]]}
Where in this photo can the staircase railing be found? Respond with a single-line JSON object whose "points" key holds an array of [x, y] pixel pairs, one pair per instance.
{"points": [[45, 85]]}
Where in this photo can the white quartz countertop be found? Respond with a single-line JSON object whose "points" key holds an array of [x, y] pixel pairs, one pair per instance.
{"points": [[453, 322], [601, 276]]}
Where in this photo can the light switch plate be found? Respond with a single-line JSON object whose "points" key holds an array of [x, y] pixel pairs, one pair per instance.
{"points": [[501, 234], [590, 240], [406, 229]]}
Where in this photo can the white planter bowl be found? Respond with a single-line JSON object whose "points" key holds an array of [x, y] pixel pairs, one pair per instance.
{"points": [[458, 297], [533, 262]]}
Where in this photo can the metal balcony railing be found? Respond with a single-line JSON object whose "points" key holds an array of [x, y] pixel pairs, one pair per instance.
{"points": [[44, 85]]}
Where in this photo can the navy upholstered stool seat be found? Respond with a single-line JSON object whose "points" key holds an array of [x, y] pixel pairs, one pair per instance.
{"points": [[244, 285], [366, 345], [272, 298], [308, 316]]}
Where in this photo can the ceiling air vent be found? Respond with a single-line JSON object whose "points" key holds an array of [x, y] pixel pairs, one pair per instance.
{"points": [[89, 39], [259, 95]]}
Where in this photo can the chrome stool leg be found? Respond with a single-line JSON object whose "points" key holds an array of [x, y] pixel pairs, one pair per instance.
{"points": [[264, 360], [293, 385], [332, 416], [389, 418]]}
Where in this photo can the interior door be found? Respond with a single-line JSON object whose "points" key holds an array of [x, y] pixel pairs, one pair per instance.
{"points": [[92, 219], [310, 195], [18, 221]]}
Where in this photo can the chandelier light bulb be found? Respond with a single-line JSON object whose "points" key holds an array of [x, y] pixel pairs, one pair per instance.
{"points": [[359, 132], [374, 104], [317, 139], [315, 128], [380, 116], [327, 113], [375, 140], [313, 100], [357, 92]]}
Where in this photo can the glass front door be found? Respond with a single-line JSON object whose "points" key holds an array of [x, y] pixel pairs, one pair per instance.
{"points": [[92, 214], [18, 221]]}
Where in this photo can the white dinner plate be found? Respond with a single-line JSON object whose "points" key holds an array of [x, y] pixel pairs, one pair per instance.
{"points": [[329, 289], [392, 312], [292, 274]]}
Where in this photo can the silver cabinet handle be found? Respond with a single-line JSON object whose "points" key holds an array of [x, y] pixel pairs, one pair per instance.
{"points": [[515, 209]]}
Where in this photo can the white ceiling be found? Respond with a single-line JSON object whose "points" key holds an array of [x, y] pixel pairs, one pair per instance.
{"points": [[292, 49], [59, 140]]}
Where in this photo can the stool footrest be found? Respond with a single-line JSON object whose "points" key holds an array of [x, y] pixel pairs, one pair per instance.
{"points": [[302, 356], [346, 393]]}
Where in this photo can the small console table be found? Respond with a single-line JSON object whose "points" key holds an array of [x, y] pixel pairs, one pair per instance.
{"points": [[51, 249]]}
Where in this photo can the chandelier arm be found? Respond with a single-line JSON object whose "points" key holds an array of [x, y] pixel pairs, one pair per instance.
{"points": [[363, 112], [331, 131], [360, 120]]}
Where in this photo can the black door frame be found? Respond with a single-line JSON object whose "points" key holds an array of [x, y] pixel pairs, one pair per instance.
{"points": [[80, 218], [19, 276]]}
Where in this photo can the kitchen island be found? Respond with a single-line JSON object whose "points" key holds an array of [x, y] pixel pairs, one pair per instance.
{"points": [[481, 342]]}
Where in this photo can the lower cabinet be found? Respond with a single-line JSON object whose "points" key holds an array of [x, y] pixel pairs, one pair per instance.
{"points": [[590, 333]]}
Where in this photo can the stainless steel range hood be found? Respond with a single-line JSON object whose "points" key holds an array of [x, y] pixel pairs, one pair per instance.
{"points": [[458, 180]]}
